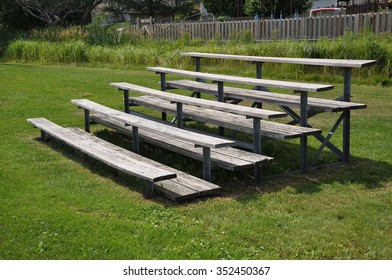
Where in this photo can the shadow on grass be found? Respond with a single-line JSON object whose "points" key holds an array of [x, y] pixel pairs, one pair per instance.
{"points": [[240, 185], [97, 167]]}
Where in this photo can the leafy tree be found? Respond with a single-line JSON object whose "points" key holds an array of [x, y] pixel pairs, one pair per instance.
{"points": [[151, 7], [57, 12], [264, 7], [221, 7], [13, 16]]}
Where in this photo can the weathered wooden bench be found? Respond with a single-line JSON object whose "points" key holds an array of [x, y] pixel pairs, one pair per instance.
{"points": [[346, 64], [258, 96], [226, 157], [198, 140], [302, 88], [201, 104], [174, 184], [285, 101]]}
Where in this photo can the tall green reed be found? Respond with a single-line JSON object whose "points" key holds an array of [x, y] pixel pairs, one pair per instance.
{"points": [[126, 48]]}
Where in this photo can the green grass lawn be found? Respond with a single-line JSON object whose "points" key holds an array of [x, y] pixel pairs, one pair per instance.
{"points": [[57, 205]]}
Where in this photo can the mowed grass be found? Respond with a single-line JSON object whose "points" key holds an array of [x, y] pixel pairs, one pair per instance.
{"points": [[55, 204]]}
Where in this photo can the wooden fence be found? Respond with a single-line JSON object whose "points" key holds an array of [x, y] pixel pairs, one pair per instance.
{"points": [[279, 29]]}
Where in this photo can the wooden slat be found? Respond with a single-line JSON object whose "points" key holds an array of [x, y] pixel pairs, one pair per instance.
{"points": [[304, 61], [228, 120], [225, 157], [236, 109], [118, 160], [296, 86], [149, 125], [182, 187], [316, 104]]}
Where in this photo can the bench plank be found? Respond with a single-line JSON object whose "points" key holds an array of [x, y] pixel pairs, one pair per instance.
{"points": [[182, 187], [296, 86], [228, 120], [305, 61], [125, 163], [231, 108], [316, 104], [225, 157], [149, 125]]}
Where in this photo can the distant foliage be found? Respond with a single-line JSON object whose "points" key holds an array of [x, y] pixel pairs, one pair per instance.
{"points": [[108, 46]]}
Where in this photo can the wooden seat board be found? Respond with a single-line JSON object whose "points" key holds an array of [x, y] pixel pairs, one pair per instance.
{"points": [[182, 187], [296, 86], [226, 157], [231, 108], [316, 104], [305, 61], [147, 124], [232, 121], [127, 164]]}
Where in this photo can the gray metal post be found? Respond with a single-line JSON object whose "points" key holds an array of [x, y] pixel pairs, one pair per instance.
{"points": [[347, 115], [43, 135], [207, 164], [149, 190], [221, 99], [304, 138], [198, 69], [135, 139], [198, 65], [257, 147], [87, 120], [180, 118], [126, 101], [259, 75], [163, 88]]}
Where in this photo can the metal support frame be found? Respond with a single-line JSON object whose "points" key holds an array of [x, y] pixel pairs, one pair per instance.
{"points": [[325, 142], [321, 138], [149, 193], [347, 114], [207, 164], [302, 120], [135, 139], [257, 147], [126, 101], [221, 99], [44, 135], [87, 120], [180, 117], [163, 88], [304, 138]]}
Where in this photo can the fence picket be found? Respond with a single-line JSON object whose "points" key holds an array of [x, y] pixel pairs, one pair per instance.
{"points": [[278, 29]]}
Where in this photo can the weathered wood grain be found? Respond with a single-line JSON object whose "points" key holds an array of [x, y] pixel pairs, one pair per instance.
{"points": [[225, 157], [236, 109], [118, 159], [228, 120], [352, 63], [157, 127], [316, 104], [296, 86]]}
